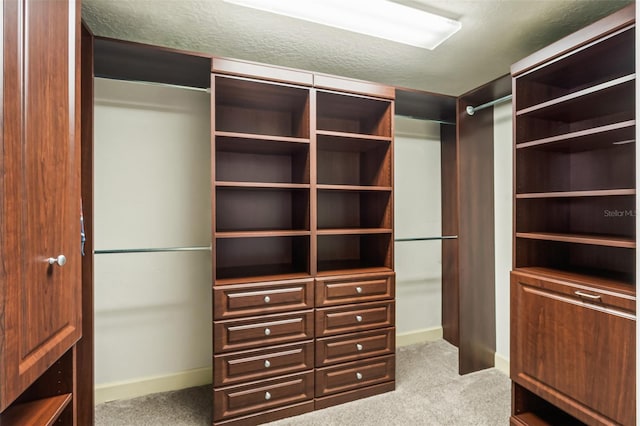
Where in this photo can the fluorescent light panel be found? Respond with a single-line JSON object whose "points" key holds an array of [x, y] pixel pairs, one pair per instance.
{"points": [[376, 18]]}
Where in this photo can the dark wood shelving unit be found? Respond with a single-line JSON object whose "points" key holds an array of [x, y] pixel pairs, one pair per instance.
{"points": [[573, 290], [302, 199]]}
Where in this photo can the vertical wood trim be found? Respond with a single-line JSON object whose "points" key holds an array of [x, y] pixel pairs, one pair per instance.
{"points": [[84, 395], [450, 290], [477, 331], [313, 181]]}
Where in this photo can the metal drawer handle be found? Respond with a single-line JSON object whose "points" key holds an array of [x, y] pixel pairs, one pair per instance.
{"points": [[587, 295], [267, 299], [359, 318], [267, 364], [267, 396], [359, 346], [267, 331], [359, 376], [358, 290]]}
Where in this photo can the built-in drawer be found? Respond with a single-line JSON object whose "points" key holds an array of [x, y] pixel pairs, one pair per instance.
{"points": [[351, 347], [265, 330], [567, 284], [260, 364], [354, 375], [231, 301], [262, 395], [354, 288], [352, 318]]}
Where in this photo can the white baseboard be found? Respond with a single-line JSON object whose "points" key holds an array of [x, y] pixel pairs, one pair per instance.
{"points": [[144, 386], [502, 363], [202, 376], [418, 336]]}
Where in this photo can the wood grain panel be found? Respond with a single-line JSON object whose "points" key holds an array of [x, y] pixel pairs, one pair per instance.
{"points": [[353, 289], [261, 364], [263, 395], [351, 347], [550, 325], [260, 331], [354, 375], [357, 317]]}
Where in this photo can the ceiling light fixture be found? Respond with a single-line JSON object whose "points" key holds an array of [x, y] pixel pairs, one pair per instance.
{"points": [[376, 18]]}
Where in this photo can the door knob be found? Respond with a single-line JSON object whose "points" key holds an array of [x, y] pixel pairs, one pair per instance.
{"points": [[359, 318], [60, 260]]}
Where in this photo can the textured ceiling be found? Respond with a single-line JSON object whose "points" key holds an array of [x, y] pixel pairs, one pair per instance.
{"points": [[494, 34]]}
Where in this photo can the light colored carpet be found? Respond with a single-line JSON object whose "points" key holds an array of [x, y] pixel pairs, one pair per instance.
{"points": [[429, 391]]}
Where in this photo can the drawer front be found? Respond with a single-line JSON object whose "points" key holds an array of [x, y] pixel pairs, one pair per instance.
{"points": [[261, 331], [351, 347], [351, 318], [561, 345], [264, 298], [354, 375], [261, 364], [354, 289], [585, 293], [263, 395]]}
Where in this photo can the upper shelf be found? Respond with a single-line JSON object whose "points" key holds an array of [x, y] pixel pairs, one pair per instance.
{"points": [[586, 140], [337, 112], [357, 188], [598, 240], [577, 194], [597, 62]]}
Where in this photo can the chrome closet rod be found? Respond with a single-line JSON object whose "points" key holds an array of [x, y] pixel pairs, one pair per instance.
{"points": [[472, 110], [153, 250], [444, 237], [153, 83]]}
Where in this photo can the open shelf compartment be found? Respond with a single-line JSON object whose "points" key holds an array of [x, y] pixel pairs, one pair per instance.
{"points": [[354, 114], [263, 258], [354, 209], [253, 107], [243, 159], [261, 209], [578, 70], [343, 253], [609, 167], [353, 161]]}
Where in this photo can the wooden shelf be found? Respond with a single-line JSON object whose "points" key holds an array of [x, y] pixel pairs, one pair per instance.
{"points": [[261, 234], [601, 97], [539, 419], [261, 137], [354, 231], [586, 140], [261, 185], [599, 240], [348, 135], [607, 280], [347, 267], [259, 278], [576, 194], [353, 188], [42, 412]]}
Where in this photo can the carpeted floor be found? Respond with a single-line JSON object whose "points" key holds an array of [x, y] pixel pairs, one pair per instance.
{"points": [[429, 391]]}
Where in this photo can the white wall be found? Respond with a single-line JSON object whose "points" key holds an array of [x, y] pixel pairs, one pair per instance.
{"points": [[418, 214], [152, 189], [503, 193]]}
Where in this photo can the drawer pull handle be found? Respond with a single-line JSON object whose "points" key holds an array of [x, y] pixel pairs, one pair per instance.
{"points": [[359, 346], [267, 299], [267, 364], [358, 290], [267, 332], [359, 376], [587, 295], [267, 396], [359, 318]]}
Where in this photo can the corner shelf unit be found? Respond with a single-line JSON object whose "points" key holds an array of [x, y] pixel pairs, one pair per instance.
{"points": [[574, 231]]}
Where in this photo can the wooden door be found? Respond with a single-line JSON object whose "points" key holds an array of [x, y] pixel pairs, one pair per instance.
{"points": [[41, 187]]}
